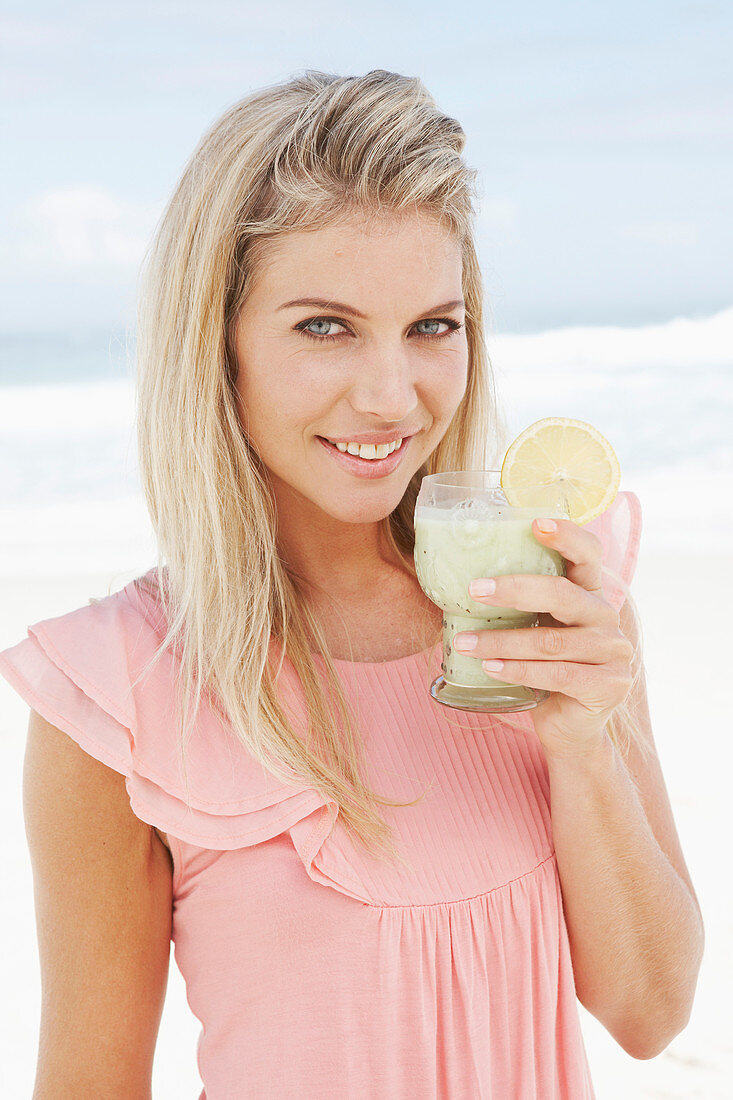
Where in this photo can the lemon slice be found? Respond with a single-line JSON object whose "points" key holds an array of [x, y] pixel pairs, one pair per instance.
{"points": [[559, 460]]}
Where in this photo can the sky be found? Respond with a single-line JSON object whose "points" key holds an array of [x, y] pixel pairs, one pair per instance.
{"points": [[601, 133]]}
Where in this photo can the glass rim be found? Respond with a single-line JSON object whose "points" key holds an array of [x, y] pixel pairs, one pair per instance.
{"points": [[476, 479]]}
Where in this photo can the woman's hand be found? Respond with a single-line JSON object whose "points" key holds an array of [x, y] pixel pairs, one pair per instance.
{"points": [[578, 653]]}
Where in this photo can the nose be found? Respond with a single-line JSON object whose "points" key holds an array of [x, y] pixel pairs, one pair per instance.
{"points": [[384, 387]]}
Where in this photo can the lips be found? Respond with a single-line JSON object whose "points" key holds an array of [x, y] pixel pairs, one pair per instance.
{"points": [[378, 438], [366, 467]]}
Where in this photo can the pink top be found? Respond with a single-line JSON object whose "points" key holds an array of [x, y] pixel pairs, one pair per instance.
{"points": [[315, 971]]}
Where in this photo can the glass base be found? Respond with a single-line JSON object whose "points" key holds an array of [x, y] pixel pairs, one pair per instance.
{"points": [[491, 698]]}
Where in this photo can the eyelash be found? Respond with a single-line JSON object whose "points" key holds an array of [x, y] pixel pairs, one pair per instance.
{"points": [[453, 326]]}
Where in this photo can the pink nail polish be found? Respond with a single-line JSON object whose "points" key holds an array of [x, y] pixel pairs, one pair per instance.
{"points": [[483, 587]]}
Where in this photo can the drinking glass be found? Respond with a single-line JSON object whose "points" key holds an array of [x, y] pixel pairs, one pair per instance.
{"points": [[465, 529]]}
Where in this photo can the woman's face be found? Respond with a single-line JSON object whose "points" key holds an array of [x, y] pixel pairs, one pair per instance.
{"points": [[384, 355]]}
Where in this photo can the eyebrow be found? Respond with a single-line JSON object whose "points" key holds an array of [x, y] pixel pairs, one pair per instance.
{"points": [[327, 303]]}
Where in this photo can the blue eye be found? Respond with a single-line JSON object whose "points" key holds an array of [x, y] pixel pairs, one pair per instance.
{"points": [[432, 321], [321, 321], [304, 327]]}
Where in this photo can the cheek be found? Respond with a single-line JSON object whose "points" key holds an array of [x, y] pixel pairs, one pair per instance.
{"points": [[446, 385], [281, 398]]}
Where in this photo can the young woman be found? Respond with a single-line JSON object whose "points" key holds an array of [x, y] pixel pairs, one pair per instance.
{"points": [[370, 895]]}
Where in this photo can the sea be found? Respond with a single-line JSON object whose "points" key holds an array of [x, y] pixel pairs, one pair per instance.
{"points": [[662, 394]]}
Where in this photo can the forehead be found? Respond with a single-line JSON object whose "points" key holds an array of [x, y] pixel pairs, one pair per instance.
{"points": [[391, 248]]}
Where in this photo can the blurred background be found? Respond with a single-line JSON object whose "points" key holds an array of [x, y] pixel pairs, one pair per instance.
{"points": [[602, 138]]}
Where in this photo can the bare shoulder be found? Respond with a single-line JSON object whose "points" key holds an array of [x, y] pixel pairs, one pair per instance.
{"points": [[56, 766], [103, 900], [646, 772]]}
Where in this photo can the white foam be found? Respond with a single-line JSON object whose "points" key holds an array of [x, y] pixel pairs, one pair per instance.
{"points": [[77, 537]]}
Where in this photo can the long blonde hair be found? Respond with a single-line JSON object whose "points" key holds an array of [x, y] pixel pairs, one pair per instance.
{"points": [[293, 156]]}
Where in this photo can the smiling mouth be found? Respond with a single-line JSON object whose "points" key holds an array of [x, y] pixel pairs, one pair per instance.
{"points": [[357, 462], [369, 452]]}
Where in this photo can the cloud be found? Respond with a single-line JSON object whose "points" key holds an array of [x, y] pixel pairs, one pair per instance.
{"points": [[80, 228]]}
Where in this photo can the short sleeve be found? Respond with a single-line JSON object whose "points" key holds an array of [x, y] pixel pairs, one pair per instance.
{"points": [[81, 672], [52, 692], [619, 529]]}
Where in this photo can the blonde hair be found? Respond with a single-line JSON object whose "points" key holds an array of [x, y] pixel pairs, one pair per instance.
{"points": [[293, 156]]}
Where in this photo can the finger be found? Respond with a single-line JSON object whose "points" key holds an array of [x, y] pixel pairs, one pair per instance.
{"points": [[567, 602], [564, 643], [582, 550], [595, 686]]}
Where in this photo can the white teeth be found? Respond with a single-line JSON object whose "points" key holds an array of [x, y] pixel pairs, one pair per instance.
{"points": [[368, 450]]}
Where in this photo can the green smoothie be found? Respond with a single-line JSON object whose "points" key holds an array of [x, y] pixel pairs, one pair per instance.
{"points": [[454, 546]]}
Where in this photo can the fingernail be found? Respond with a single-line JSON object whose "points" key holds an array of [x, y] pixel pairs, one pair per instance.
{"points": [[547, 525], [482, 588], [492, 666], [465, 641]]}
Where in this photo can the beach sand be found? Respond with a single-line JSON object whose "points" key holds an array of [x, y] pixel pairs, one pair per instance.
{"points": [[682, 599]]}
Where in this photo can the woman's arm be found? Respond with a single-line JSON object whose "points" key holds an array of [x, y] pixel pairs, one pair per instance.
{"points": [[103, 898], [635, 929], [634, 924]]}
